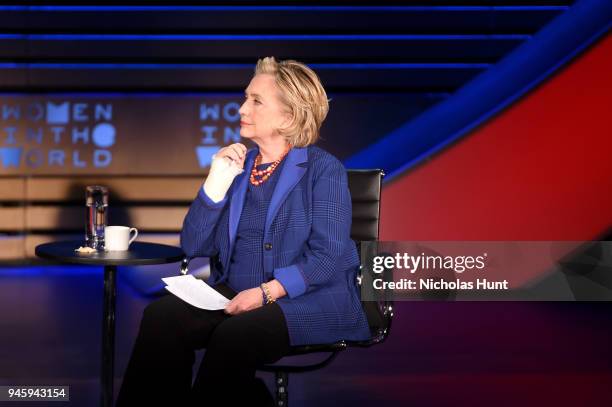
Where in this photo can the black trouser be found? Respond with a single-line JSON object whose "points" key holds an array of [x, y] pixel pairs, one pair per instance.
{"points": [[160, 369]]}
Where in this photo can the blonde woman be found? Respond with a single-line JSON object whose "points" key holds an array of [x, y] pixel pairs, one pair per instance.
{"points": [[277, 221]]}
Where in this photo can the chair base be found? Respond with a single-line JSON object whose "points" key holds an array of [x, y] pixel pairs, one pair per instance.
{"points": [[282, 387]]}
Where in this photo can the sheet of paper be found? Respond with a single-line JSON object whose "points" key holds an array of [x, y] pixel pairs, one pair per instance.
{"points": [[195, 292]]}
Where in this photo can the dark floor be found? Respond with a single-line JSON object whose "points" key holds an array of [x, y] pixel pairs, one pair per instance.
{"points": [[438, 354]]}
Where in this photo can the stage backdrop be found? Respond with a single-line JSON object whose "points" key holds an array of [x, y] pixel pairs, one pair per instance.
{"points": [[139, 97]]}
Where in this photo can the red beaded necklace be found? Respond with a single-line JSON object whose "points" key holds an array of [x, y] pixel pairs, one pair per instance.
{"points": [[258, 177]]}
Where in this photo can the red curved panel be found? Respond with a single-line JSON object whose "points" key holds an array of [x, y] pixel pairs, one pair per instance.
{"points": [[540, 170]]}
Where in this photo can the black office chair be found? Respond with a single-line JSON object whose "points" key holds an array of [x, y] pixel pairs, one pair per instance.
{"points": [[365, 187]]}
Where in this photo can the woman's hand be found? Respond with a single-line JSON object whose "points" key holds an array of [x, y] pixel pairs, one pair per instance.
{"points": [[245, 301], [235, 152], [225, 166], [253, 298]]}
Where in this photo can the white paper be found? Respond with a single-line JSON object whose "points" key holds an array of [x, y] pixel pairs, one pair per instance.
{"points": [[195, 292]]}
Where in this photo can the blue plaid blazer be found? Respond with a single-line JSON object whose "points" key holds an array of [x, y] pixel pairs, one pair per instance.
{"points": [[307, 244]]}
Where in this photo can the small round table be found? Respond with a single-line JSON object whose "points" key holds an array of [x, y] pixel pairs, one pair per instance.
{"points": [[139, 254]]}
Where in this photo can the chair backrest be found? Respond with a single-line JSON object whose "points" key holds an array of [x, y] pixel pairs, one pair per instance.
{"points": [[365, 187]]}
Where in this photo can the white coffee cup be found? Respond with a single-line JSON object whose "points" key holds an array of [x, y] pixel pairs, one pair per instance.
{"points": [[117, 238]]}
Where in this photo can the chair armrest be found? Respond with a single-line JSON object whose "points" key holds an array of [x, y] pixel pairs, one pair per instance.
{"points": [[184, 265]]}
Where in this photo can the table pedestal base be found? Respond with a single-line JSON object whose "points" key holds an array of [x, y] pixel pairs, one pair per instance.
{"points": [[108, 336]]}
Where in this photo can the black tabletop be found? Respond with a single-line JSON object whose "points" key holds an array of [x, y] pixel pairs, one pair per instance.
{"points": [[140, 253]]}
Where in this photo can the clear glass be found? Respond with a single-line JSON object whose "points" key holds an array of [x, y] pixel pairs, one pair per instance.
{"points": [[96, 213]]}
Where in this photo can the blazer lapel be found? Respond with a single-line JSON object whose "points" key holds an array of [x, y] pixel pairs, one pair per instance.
{"points": [[290, 175]]}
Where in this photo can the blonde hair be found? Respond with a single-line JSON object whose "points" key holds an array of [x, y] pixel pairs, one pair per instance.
{"points": [[303, 94]]}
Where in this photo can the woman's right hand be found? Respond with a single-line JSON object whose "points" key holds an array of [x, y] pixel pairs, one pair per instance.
{"points": [[235, 152], [227, 163]]}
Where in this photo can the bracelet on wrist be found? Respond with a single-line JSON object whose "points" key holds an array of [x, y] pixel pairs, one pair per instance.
{"points": [[267, 295]]}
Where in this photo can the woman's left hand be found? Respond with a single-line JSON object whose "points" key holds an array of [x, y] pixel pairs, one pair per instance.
{"points": [[245, 301]]}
